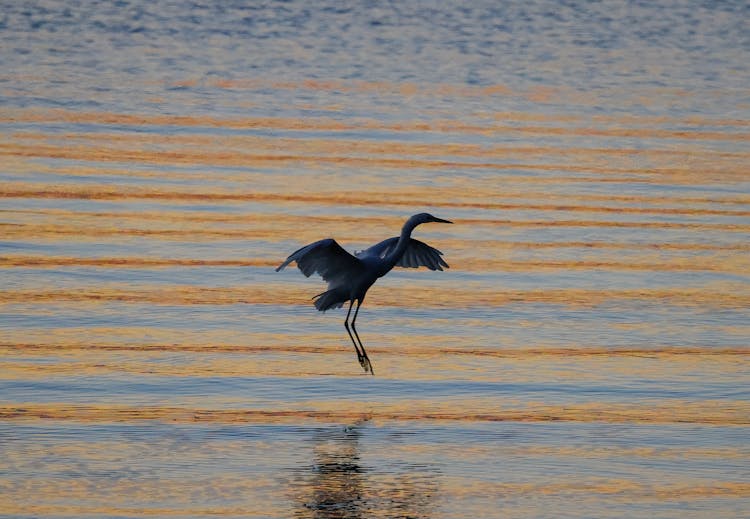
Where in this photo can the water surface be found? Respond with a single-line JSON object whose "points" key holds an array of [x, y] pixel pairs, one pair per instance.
{"points": [[586, 355]]}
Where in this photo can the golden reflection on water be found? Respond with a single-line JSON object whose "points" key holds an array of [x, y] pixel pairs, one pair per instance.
{"points": [[400, 360], [405, 295], [437, 125], [712, 412]]}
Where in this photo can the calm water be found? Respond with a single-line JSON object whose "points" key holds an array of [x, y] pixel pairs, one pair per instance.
{"points": [[586, 355]]}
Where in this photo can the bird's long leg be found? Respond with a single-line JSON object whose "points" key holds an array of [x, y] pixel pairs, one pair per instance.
{"points": [[365, 360], [360, 357]]}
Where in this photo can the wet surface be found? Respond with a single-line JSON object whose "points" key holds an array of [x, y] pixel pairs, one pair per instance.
{"points": [[587, 352]]}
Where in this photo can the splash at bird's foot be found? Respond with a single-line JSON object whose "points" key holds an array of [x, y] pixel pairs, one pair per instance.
{"points": [[364, 361]]}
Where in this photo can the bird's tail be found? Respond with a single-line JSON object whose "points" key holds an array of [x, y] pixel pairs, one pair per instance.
{"points": [[329, 299]]}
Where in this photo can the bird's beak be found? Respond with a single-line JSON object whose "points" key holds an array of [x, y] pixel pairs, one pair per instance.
{"points": [[440, 220]]}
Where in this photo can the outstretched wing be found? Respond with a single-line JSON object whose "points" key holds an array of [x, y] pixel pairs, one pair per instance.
{"points": [[324, 257], [417, 254]]}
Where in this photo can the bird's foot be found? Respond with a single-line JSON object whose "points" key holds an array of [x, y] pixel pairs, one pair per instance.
{"points": [[366, 365]]}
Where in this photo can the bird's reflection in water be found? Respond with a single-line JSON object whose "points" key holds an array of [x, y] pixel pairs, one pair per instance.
{"points": [[340, 485]]}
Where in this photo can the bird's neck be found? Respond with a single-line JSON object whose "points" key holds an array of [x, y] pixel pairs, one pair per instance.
{"points": [[403, 241]]}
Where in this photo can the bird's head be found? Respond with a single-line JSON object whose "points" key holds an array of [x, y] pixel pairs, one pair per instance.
{"points": [[421, 218]]}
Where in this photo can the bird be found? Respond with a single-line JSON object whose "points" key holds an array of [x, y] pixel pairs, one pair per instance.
{"points": [[350, 276]]}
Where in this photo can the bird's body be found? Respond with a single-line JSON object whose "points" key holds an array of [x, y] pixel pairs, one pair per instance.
{"points": [[350, 276]]}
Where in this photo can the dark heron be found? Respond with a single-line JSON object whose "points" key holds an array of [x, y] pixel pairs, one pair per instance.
{"points": [[350, 276]]}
